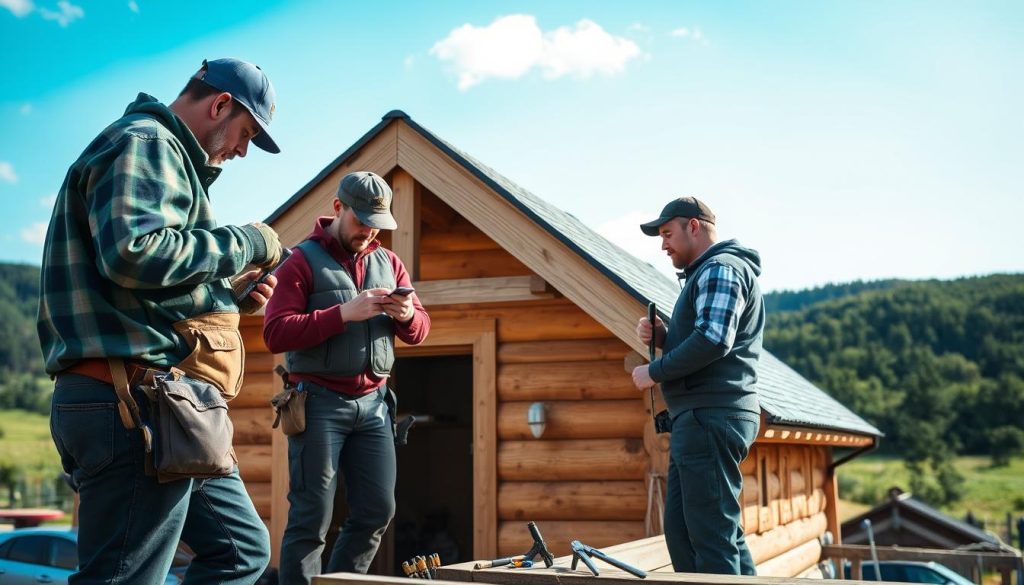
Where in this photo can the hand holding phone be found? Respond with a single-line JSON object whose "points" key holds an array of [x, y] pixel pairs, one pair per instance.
{"points": [[245, 292], [402, 291]]}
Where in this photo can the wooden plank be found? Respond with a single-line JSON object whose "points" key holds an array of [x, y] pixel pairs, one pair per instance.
{"points": [[485, 443], [252, 338], [585, 285], [792, 562], [572, 500], [437, 216], [565, 381], [831, 489], [254, 462], [770, 544], [259, 362], [477, 290], [581, 350], [514, 538], [461, 236], [378, 156], [796, 435], [252, 425], [405, 206], [478, 264], [547, 320], [594, 459], [257, 389], [279, 485], [572, 419]]}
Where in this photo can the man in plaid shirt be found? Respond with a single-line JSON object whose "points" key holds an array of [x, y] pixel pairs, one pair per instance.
{"points": [[132, 247], [707, 371]]}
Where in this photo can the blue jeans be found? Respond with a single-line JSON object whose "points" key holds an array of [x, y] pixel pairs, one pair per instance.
{"points": [[353, 436], [129, 524], [702, 506]]}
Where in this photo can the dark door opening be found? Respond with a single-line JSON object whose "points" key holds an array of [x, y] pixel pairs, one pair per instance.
{"points": [[434, 494]]}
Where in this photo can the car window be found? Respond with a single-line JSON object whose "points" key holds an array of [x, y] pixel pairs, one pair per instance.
{"points": [[30, 549], [65, 554], [5, 549]]}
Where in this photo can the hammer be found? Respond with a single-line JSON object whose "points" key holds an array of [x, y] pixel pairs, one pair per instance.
{"points": [[538, 548]]}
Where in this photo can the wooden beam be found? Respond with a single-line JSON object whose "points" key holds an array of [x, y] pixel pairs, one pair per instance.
{"points": [[798, 435], [582, 350], [497, 289], [575, 419], [572, 500], [580, 282], [405, 206]]}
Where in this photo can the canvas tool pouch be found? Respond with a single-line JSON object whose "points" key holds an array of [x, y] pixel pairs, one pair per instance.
{"points": [[189, 432], [290, 406], [218, 355]]}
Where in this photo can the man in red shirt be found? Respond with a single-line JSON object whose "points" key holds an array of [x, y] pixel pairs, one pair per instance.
{"points": [[335, 315]]}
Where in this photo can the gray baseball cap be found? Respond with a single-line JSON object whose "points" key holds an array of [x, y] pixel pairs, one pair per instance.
{"points": [[370, 197], [249, 86], [683, 207]]}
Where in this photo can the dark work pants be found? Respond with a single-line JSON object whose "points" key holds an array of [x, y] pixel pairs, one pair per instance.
{"points": [[128, 523], [702, 507], [348, 435]]}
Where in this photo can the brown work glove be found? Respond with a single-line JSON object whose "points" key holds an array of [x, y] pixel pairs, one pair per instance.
{"points": [[265, 244], [248, 305]]}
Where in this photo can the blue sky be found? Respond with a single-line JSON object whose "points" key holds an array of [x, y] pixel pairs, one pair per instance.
{"points": [[843, 140]]}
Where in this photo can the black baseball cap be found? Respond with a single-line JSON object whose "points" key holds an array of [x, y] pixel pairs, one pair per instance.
{"points": [[249, 86], [688, 207]]}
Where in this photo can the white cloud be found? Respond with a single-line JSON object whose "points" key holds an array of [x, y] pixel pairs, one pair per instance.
{"points": [[694, 34], [512, 46], [133, 6], [409, 61], [25, 109], [639, 27], [19, 8], [48, 201], [66, 14], [35, 233], [7, 173]]}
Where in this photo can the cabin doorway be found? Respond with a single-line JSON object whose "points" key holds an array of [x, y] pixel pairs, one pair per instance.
{"points": [[434, 492]]}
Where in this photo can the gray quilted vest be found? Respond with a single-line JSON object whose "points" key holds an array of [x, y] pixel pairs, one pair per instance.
{"points": [[364, 345]]}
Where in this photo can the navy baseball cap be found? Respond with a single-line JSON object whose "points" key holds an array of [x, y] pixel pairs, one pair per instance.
{"points": [[250, 87]]}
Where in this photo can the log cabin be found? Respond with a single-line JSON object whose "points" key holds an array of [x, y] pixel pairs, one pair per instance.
{"points": [[532, 307]]}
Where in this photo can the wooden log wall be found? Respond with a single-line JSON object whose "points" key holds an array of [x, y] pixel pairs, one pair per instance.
{"points": [[252, 416]]}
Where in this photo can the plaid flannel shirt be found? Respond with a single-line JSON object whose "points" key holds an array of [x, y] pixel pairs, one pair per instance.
{"points": [[719, 304], [132, 245]]}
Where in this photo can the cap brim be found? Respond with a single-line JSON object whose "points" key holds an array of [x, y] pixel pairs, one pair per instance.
{"points": [[651, 228], [378, 221], [263, 139]]}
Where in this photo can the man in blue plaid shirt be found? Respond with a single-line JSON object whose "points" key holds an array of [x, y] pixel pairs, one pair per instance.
{"points": [[707, 371]]}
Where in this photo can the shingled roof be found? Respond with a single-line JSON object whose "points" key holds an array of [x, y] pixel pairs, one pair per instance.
{"points": [[786, 396]]}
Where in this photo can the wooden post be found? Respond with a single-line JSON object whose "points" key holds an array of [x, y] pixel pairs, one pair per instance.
{"points": [[406, 208]]}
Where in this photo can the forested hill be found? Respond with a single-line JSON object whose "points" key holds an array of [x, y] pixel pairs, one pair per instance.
{"points": [[19, 294], [936, 365]]}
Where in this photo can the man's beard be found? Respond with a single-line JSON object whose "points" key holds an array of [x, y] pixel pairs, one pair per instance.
{"points": [[216, 141]]}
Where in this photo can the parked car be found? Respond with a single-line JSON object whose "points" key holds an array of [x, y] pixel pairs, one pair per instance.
{"points": [[910, 572], [42, 555]]}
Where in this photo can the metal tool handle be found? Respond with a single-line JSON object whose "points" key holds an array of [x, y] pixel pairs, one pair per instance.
{"points": [[652, 314], [620, 564]]}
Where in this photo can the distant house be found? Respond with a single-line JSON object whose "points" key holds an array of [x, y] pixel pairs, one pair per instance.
{"points": [[529, 305], [903, 521]]}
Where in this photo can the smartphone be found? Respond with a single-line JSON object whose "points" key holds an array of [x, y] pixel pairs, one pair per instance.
{"points": [[402, 291], [285, 253]]}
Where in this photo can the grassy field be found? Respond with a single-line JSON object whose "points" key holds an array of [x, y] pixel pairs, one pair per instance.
{"points": [[989, 492]]}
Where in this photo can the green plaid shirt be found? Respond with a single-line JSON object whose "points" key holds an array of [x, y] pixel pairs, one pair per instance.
{"points": [[132, 245]]}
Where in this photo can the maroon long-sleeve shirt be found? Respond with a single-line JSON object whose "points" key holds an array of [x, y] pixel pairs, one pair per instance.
{"points": [[287, 326]]}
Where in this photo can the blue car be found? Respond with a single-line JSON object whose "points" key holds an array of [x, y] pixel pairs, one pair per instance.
{"points": [[911, 572], [42, 555]]}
